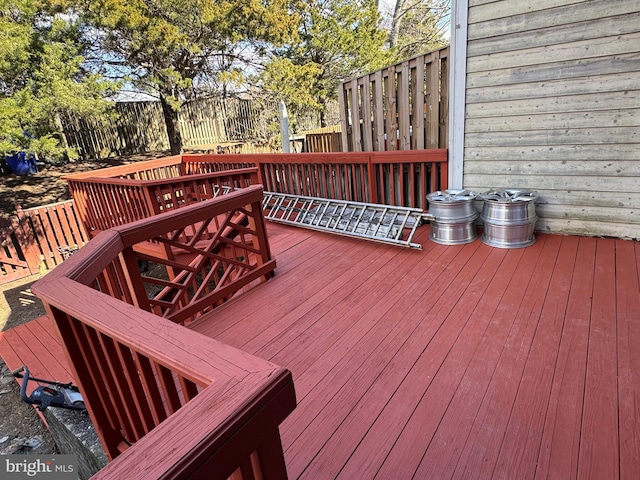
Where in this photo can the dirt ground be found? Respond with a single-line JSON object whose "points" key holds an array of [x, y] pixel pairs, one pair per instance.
{"points": [[46, 186], [21, 430]]}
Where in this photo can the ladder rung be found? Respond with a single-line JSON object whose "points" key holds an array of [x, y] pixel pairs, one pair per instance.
{"points": [[382, 223]]}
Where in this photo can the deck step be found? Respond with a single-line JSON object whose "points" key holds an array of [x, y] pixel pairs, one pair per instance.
{"points": [[381, 223]]}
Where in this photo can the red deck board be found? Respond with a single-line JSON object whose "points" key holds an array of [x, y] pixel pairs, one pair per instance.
{"points": [[558, 456], [501, 356], [451, 362], [599, 435], [628, 317]]}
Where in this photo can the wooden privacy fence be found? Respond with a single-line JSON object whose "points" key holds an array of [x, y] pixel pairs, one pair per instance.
{"points": [[139, 127], [401, 107], [166, 401], [39, 237], [227, 125]]}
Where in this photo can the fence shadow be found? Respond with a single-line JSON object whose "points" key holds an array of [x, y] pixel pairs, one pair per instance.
{"points": [[18, 304]]}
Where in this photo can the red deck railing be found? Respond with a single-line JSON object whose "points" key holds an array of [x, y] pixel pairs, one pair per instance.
{"points": [[148, 379], [400, 178], [117, 195]]}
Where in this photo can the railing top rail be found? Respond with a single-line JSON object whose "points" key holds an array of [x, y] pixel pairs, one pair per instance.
{"points": [[161, 181], [110, 172], [438, 155], [194, 356], [169, 448], [141, 230], [318, 157]]}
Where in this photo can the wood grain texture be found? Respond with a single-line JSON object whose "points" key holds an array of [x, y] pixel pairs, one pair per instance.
{"points": [[555, 82], [450, 362]]}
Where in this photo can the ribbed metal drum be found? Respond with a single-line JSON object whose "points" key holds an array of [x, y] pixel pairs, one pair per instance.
{"points": [[454, 212], [509, 218]]}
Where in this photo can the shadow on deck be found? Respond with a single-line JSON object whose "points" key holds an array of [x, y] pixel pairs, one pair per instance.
{"points": [[451, 362]]}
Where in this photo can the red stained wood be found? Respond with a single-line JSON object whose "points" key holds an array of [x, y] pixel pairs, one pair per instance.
{"points": [[451, 362], [628, 327]]}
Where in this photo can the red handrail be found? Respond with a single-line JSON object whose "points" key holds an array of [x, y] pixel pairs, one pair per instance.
{"points": [[145, 378]]}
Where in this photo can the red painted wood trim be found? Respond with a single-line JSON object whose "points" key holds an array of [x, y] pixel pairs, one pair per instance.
{"points": [[223, 420]]}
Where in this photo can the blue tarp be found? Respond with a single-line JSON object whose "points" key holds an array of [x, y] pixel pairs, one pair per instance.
{"points": [[21, 164]]}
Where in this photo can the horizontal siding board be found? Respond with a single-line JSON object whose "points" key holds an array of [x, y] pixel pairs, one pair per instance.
{"points": [[493, 10], [586, 90], [553, 121], [557, 167], [555, 35], [553, 105], [556, 70], [580, 136], [538, 20], [585, 49], [559, 182], [586, 213], [558, 152], [589, 199], [590, 228]]}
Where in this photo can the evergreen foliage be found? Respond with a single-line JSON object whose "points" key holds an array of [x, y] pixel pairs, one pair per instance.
{"points": [[176, 49], [41, 77], [337, 40]]}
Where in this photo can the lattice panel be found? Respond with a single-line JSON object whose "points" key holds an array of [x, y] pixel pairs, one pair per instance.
{"points": [[189, 270]]}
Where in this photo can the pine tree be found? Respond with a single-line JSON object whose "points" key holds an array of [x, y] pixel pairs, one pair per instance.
{"points": [[176, 48], [337, 40]]}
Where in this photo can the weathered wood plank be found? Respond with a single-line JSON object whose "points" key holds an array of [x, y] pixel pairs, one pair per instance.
{"points": [[493, 10], [592, 28], [529, 57], [606, 152], [571, 136], [589, 119], [569, 166], [561, 182], [590, 213], [572, 93], [588, 228], [624, 63], [562, 13]]}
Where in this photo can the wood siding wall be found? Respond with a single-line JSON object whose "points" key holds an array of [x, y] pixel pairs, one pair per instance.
{"points": [[553, 104]]}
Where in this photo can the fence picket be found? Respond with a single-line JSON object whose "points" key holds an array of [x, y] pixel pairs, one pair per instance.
{"points": [[401, 96]]}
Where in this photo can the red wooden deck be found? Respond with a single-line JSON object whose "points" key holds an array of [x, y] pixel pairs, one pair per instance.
{"points": [[451, 362]]}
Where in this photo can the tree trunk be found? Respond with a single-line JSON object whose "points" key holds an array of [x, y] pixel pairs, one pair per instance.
{"points": [[323, 111], [398, 11], [173, 128]]}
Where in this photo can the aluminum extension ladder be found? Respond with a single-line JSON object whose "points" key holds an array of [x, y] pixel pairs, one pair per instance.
{"points": [[382, 223]]}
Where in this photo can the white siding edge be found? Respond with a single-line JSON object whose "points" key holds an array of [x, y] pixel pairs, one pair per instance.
{"points": [[457, 81]]}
